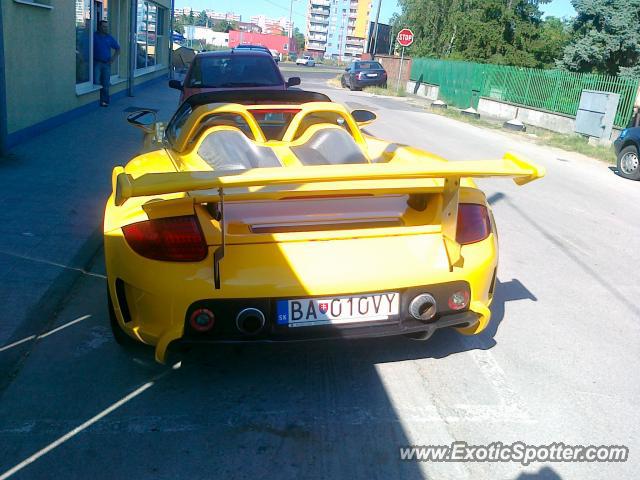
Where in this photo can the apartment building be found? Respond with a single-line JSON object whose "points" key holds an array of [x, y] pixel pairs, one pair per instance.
{"points": [[337, 29], [273, 26], [213, 15]]}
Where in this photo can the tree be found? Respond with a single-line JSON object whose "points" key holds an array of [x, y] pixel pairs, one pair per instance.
{"points": [[555, 34], [225, 26], [299, 37], [180, 22], [606, 37], [496, 31], [203, 20]]}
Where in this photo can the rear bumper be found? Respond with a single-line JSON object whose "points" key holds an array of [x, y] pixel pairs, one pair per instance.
{"points": [[407, 326], [155, 311], [226, 332], [369, 82]]}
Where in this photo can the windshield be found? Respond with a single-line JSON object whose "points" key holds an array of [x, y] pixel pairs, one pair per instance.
{"points": [[234, 71], [368, 66]]}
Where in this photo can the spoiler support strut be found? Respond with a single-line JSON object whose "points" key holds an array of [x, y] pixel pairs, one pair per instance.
{"points": [[218, 255], [449, 221]]}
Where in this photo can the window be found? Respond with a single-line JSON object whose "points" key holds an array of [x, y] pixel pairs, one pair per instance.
{"points": [[233, 71], [84, 41], [88, 13], [368, 66], [36, 3], [150, 35]]}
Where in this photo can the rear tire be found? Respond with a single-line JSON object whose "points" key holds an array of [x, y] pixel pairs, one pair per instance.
{"points": [[119, 335], [343, 83], [629, 163]]}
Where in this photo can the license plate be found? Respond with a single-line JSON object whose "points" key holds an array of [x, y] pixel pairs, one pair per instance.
{"points": [[372, 74], [369, 307]]}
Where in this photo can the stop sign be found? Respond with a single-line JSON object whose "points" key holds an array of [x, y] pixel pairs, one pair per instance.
{"points": [[405, 37]]}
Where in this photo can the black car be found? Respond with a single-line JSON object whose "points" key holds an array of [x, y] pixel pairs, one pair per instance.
{"points": [[364, 74], [627, 147]]}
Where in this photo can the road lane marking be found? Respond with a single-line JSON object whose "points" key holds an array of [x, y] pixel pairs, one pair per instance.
{"points": [[54, 264], [72, 322], [87, 424], [43, 335], [15, 344], [510, 408]]}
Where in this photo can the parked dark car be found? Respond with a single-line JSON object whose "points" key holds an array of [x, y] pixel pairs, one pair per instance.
{"points": [[627, 146], [235, 69], [364, 74]]}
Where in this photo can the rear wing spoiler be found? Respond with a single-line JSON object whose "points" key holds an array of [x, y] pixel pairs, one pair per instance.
{"points": [[389, 177], [125, 186]]}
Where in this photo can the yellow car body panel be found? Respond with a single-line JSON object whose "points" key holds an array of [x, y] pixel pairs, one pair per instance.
{"points": [[414, 248]]}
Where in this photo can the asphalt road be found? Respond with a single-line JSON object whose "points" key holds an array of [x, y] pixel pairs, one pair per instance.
{"points": [[556, 364]]}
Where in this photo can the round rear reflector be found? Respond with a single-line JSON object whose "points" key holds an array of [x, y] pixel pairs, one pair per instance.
{"points": [[459, 300], [202, 320]]}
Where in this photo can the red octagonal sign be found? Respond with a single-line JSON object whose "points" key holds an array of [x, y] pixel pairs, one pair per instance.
{"points": [[405, 37]]}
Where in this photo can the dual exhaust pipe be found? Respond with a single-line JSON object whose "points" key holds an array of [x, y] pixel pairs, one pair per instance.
{"points": [[250, 321]]}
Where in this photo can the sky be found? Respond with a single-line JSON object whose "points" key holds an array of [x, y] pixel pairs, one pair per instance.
{"points": [[280, 8]]}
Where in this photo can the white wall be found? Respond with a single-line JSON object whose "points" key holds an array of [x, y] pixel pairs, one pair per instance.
{"points": [[219, 39]]}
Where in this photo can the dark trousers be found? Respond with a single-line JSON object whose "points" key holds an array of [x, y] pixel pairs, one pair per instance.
{"points": [[102, 76]]}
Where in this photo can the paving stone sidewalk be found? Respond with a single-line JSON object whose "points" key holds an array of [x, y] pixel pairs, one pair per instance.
{"points": [[52, 194]]}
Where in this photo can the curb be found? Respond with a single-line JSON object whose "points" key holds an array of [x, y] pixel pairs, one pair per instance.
{"points": [[43, 313]]}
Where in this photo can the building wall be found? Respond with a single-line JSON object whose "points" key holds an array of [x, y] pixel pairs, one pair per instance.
{"points": [[219, 39], [364, 10], [392, 65], [40, 61], [275, 42], [346, 30]]}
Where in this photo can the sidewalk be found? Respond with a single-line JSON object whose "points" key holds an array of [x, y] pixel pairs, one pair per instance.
{"points": [[52, 194]]}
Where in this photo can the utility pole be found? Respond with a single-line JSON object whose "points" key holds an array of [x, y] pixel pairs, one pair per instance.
{"points": [[375, 31], [290, 28], [290, 19]]}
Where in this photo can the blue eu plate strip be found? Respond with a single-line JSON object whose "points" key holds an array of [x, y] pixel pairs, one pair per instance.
{"points": [[282, 312]]}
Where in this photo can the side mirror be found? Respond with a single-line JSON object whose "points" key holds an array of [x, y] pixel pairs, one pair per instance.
{"points": [[142, 118], [363, 117], [146, 121], [293, 81], [346, 69], [176, 84]]}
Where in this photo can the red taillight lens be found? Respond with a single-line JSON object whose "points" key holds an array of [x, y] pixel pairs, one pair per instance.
{"points": [[173, 239], [474, 224]]}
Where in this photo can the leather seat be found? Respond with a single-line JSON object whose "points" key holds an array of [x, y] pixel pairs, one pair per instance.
{"points": [[330, 146], [232, 150]]}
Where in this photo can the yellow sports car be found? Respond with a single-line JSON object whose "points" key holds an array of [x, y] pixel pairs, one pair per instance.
{"points": [[270, 216]]}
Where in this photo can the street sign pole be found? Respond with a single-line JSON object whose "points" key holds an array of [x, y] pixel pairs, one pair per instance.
{"points": [[400, 71], [404, 39]]}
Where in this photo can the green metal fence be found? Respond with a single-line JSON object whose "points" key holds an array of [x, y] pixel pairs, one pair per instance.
{"points": [[463, 83]]}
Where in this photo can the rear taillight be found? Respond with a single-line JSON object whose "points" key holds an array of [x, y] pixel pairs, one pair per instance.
{"points": [[360, 76], [172, 239], [474, 224]]}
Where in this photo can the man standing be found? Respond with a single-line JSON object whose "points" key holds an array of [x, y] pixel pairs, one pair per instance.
{"points": [[103, 43]]}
